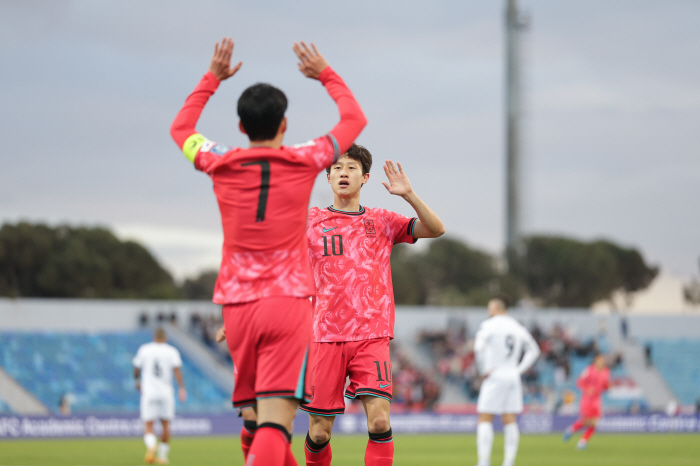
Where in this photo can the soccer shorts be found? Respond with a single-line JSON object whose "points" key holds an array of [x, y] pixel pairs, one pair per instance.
{"points": [[590, 408], [501, 393], [365, 362], [155, 408], [269, 344]]}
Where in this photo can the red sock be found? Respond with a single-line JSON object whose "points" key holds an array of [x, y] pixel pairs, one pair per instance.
{"points": [[576, 425], [588, 433], [317, 454], [380, 449], [247, 439], [270, 447], [289, 459]]}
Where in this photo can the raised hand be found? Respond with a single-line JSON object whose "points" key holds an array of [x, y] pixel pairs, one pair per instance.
{"points": [[398, 181], [311, 63], [220, 64]]}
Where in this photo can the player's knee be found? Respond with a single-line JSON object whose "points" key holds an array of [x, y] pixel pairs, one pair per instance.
{"points": [[379, 423], [319, 435]]}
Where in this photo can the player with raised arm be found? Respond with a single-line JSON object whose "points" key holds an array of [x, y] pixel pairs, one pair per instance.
{"points": [[155, 364], [265, 279], [350, 250], [593, 381], [499, 344]]}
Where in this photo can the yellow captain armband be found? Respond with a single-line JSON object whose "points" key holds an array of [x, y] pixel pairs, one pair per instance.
{"points": [[192, 145]]}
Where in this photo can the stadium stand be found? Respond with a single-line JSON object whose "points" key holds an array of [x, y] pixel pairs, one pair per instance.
{"points": [[4, 408], [545, 384], [677, 360], [95, 369]]}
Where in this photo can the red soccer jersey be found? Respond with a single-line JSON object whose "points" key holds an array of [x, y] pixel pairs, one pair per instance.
{"points": [[350, 255], [263, 194], [593, 382]]}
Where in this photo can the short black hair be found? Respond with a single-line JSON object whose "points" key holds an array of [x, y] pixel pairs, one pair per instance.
{"points": [[360, 154], [504, 298], [261, 108]]}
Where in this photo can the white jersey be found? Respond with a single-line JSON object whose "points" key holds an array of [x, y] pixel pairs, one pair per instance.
{"points": [[157, 361], [500, 342]]}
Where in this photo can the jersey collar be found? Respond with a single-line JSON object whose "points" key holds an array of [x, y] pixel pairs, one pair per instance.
{"points": [[359, 212]]}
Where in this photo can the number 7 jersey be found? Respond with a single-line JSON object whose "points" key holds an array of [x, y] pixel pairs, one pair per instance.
{"points": [[350, 255], [263, 194]]}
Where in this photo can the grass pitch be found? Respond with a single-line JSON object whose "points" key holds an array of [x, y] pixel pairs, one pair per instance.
{"points": [[410, 450]]}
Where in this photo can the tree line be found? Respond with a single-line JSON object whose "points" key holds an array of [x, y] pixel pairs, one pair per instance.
{"points": [[78, 262], [552, 271]]}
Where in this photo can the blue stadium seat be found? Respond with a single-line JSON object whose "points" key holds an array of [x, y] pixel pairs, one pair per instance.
{"points": [[676, 360], [96, 369]]}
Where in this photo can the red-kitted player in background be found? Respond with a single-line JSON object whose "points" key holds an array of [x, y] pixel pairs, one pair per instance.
{"points": [[593, 381]]}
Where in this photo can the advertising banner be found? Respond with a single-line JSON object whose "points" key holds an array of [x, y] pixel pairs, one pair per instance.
{"points": [[230, 424]]}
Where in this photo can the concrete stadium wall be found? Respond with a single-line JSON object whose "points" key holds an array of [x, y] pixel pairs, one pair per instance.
{"points": [[119, 315]]}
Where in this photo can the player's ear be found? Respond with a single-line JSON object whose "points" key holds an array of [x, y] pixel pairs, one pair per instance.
{"points": [[283, 126], [240, 126], [328, 177], [365, 178]]}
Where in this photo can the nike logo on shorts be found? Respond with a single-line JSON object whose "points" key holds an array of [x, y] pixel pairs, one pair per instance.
{"points": [[381, 385]]}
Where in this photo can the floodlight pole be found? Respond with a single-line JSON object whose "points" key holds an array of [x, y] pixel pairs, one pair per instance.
{"points": [[513, 112]]}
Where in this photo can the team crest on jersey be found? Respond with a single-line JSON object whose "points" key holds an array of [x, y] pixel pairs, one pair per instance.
{"points": [[369, 228]]}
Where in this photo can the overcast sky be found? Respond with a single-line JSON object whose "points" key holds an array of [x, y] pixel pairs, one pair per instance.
{"points": [[88, 90]]}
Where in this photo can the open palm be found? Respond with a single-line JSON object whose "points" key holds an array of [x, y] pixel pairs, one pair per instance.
{"points": [[398, 184]]}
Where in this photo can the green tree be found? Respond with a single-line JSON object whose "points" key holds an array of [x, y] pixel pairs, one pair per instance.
{"points": [[407, 275], [40, 261], [458, 274], [200, 287], [566, 272], [449, 272]]}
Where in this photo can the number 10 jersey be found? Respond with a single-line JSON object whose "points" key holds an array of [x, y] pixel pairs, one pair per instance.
{"points": [[350, 256]]}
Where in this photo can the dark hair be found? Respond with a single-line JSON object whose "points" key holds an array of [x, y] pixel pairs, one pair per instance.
{"points": [[504, 298], [360, 154], [261, 108]]}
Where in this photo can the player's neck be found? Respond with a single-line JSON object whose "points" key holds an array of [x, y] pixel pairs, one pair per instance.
{"points": [[274, 143], [348, 204]]}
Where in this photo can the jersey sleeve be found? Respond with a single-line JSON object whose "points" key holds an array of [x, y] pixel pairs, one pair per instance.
{"points": [[183, 129], [318, 153], [531, 351], [176, 358], [352, 119], [400, 227], [138, 359], [480, 341]]}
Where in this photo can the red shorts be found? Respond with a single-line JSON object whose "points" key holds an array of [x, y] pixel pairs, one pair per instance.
{"points": [[269, 344], [590, 408], [365, 362]]}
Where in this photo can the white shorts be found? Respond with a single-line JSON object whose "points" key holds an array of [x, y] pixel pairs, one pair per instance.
{"points": [[154, 408], [501, 393]]}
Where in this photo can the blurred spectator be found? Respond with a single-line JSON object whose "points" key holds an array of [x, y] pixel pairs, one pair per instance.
{"points": [[64, 404], [647, 354], [204, 329]]}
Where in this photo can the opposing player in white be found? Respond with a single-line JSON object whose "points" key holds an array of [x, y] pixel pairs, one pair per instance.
{"points": [[155, 364], [500, 342]]}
